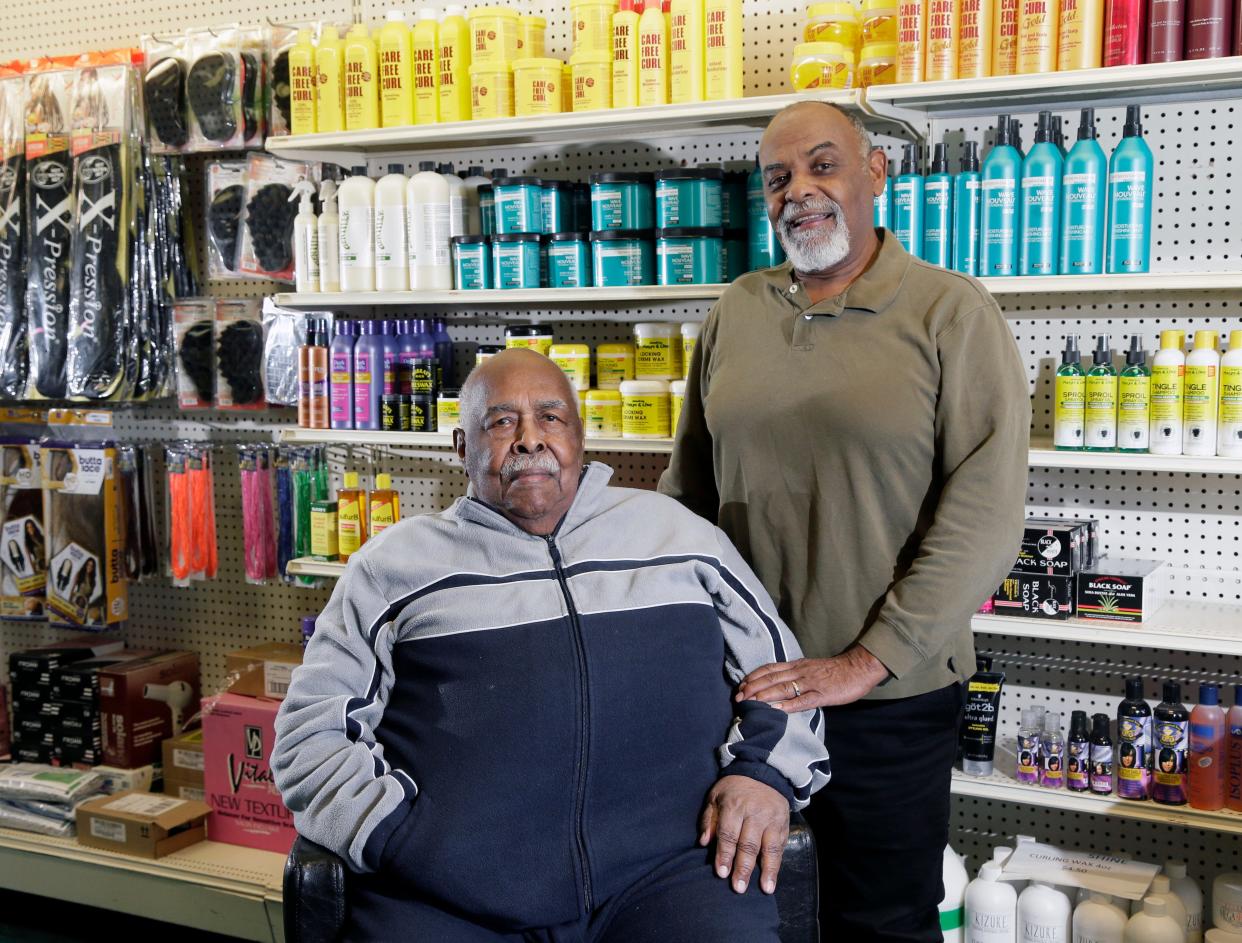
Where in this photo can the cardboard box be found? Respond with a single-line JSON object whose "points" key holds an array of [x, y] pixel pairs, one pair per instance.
{"points": [[1035, 596], [183, 759], [180, 790], [33, 668], [22, 754], [140, 823], [79, 680], [1052, 548], [142, 701], [118, 780], [263, 671], [238, 734], [1121, 590]]}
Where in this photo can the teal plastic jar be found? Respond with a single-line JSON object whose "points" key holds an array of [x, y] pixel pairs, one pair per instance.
{"points": [[472, 263], [582, 207], [765, 248], [689, 196], [558, 206], [736, 254], [733, 206], [569, 260], [622, 258], [515, 260], [519, 205], [621, 201], [487, 210], [690, 255]]}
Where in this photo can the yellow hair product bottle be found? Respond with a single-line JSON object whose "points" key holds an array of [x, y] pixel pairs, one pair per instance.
{"points": [[455, 42], [625, 56], [944, 33], [723, 76], [361, 80], [1080, 44], [685, 51], [911, 41], [1038, 30], [426, 68], [384, 504], [302, 104], [652, 55], [974, 51], [351, 521], [396, 53], [330, 81], [1005, 38]]}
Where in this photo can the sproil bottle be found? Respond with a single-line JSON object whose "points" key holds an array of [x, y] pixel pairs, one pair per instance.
{"points": [[1168, 379], [685, 52], [1041, 202], [1202, 394], [1082, 203], [456, 40], [357, 232], [1101, 419], [1129, 199], [330, 80], [908, 202], [938, 209], [966, 209], [1229, 439], [998, 230], [1069, 399], [1134, 400], [652, 55], [1170, 722], [361, 80], [396, 72], [302, 106], [722, 61], [427, 67], [625, 55]]}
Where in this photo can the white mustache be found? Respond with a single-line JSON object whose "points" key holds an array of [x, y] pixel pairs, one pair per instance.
{"points": [[515, 465], [791, 210]]}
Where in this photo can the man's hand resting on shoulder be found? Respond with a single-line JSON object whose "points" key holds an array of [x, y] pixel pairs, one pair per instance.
{"points": [[749, 821]]}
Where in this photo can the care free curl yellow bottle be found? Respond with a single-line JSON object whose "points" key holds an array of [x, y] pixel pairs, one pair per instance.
{"points": [[396, 72], [652, 55], [302, 105], [685, 51], [361, 80], [427, 67], [330, 80], [625, 56], [724, 78], [455, 42]]}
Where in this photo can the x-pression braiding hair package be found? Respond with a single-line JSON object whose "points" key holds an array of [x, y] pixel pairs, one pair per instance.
{"points": [[14, 363], [23, 548]]}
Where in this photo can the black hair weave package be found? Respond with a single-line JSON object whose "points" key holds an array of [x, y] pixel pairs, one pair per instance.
{"points": [[14, 363]]}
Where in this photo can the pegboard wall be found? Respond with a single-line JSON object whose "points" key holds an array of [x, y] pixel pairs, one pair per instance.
{"points": [[1190, 519]]}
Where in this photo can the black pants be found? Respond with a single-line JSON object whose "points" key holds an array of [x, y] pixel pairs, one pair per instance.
{"points": [[882, 823]]}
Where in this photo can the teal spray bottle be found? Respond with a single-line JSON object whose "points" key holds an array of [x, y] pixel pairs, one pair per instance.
{"points": [[998, 229], [938, 211], [908, 203], [1082, 203], [882, 206], [1041, 202], [1129, 199], [1101, 425], [966, 212]]}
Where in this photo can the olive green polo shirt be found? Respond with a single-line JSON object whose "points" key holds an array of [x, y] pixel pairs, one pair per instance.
{"points": [[867, 455]]}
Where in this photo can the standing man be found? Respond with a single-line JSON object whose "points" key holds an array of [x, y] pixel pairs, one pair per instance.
{"points": [[857, 422]]}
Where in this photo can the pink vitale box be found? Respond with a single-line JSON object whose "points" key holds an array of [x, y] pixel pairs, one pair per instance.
{"points": [[238, 734]]}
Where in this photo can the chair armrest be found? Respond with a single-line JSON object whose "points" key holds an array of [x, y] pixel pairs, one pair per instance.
{"points": [[797, 887], [314, 894]]}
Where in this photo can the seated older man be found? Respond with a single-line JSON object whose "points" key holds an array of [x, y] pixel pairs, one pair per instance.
{"points": [[515, 719]]}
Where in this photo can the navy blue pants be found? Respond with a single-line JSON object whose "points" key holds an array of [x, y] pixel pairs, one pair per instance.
{"points": [[682, 901], [885, 815]]}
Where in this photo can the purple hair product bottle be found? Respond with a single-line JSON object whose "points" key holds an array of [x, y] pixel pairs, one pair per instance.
{"points": [[1169, 747], [407, 353], [1028, 747], [368, 377], [341, 375], [1133, 743], [388, 336], [444, 347]]}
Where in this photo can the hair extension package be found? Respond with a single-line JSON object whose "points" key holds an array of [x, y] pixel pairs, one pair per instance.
{"points": [[23, 549], [226, 192], [239, 355], [267, 238], [87, 586], [194, 327], [14, 364]]}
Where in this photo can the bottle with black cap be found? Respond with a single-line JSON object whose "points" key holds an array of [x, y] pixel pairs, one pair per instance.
{"points": [[1129, 199], [1082, 203], [966, 205], [1041, 202], [1134, 743], [1134, 400], [998, 230], [1170, 723], [1101, 419], [1101, 756], [1069, 399], [938, 210], [1078, 749], [457, 199], [908, 202]]}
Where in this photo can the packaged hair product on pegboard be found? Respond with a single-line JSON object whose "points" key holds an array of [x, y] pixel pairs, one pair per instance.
{"points": [[226, 194], [192, 550], [14, 362], [142, 552], [213, 87], [285, 333], [280, 40], [267, 235], [23, 548], [254, 85], [163, 94], [194, 327], [258, 517], [239, 355]]}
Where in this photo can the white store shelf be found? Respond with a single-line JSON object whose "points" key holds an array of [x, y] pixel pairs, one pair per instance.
{"points": [[295, 435], [211, 886], [1179, 625], [1003, 787], [1043, 455], [309, 566]]}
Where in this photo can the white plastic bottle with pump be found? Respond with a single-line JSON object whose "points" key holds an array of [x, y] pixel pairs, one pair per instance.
{"points": [[474, 180], [1153, 925], [1202, 391], [953, 907], [1168, 377], [305, 239], [991, 908], [1229, 443], [329, 238], [357, 207], [427, 203], [1043, 915], [391, 254], [457, 200], [1188, 892], [1098, 920], [1162, 889]]}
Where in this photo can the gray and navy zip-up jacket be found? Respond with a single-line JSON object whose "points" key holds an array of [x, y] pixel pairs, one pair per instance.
{"points": [[520, 727]]}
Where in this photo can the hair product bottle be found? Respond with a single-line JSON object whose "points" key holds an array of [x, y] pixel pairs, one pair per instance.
{"points": [[1028, 746], [1038, 31], [966, 209], [329, 226], [882, 206], [911, 40], [1162, 889], [458, 212], [357, 232], [1233, 777], [1125, 26], [1082, 203], [1069, 399], [944, 30], [1134, 400], [1207, 742], [1153, 924], [330, 80], [1166, 31], [302, 107], [305, 240], [396, 59], [1229, 440], [1133, 743], [938, 210], [427, 203], [361, 80], [1188, 892], [391, 262], [350, 517], [908, 202], [341, 375], [998, 236], [625, 55], [1168, 378], [722, 61], [652, 56], [974, 54], [1202, 395], [1043, 913], [383, 505], [1078, 746], [426, 39], [1101, 756], [1041, 202], [685, 52], [456, 42], [953, 907], [1101, 413], [368, 376], [1005, 38], [1052, 751], [1209, 28], [313, 377], [991, 907], [1129, 199], [1170, 720], [1080, 42], [1099, 920]]}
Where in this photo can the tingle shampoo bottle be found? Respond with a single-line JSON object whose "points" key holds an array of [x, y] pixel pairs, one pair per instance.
{"points": [[1229, 439], [1202, 380], [1082, 203], [1168, 377]]}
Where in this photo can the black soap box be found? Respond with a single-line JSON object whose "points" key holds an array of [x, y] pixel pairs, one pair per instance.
{"points": [[1116, 590]]}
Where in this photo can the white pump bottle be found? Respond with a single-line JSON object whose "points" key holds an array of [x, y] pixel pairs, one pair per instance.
{"points": [[991, 908], [329, 238], [357, 242], [305, 239]]}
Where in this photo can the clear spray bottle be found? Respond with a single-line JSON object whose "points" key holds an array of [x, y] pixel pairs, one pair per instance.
{"points": [[305, 238], [1052, 771]]}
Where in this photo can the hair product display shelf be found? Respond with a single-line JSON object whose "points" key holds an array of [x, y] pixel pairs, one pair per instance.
{"points": [[296, 435]]}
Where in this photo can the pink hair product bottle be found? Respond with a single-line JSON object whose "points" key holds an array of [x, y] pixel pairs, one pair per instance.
{"points": [[1166, 30], [1209, 28], [1125, 32]]}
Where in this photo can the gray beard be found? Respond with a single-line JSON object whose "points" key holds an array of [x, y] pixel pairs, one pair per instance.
{"points": [[813, 252]]}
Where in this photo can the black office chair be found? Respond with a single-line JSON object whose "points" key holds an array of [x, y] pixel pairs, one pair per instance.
{"points": [[314, 900]]}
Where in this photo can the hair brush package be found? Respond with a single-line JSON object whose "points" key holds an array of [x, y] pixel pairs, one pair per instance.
{"points": [[23, 549], [213, 87], [226, 192], [267, 236], [280, 39], [239, 355], [194, 325], [254, 86], [87, 585], [14, 363], [163, 89]]}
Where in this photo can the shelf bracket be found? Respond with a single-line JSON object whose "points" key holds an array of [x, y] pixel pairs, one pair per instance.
{"points": [[908, 120]]}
